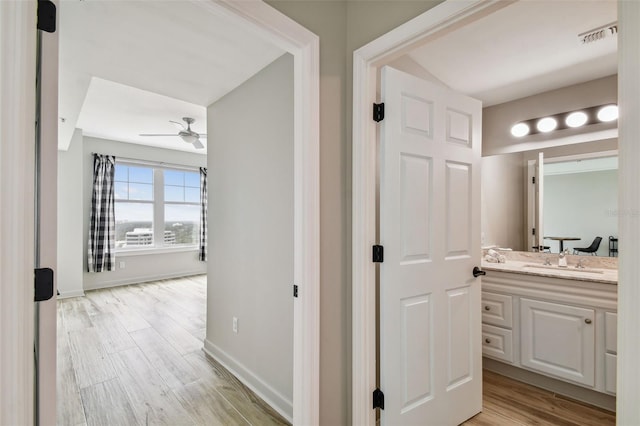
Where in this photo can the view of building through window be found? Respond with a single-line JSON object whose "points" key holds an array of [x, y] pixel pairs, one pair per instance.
{"points": [[139, 203]]}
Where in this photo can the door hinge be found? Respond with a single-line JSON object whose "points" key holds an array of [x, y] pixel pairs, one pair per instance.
{"points": [[378, 254], [43, 282], [295, 290], [46, 16], [378, 399], [378, 112], [533, 231], [533, 180]]}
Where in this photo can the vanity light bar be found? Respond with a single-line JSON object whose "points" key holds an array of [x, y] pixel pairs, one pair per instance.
{"points": [[566, 120]]}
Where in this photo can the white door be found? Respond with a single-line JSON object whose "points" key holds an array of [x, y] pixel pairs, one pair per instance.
{"points": [[430, 332]]}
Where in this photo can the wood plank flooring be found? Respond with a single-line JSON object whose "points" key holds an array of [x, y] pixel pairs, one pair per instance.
{"points": [[507, 402], [132, 355]]}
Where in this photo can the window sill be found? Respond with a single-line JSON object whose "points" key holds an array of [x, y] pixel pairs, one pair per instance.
{"points": [[151, 251]]}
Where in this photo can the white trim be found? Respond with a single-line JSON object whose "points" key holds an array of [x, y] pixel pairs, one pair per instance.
{"points": [[446, 16], [142, 279], [70, 294], [273, 26], [628, 385], [17, 136], [271, 396]]}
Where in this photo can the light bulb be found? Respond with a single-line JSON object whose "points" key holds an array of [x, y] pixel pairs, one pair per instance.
{"points": [[520, 129], [576, 119], [608, 113], [546, 124]]}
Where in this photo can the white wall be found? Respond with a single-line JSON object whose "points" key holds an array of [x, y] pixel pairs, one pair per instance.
{"points": [[583, 205], [70, 217], [250, 267], [74, 207], [503, 201]]}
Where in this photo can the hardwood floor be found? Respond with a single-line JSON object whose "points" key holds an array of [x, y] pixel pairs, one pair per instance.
{"points": [[132, 355], [507, 402]]}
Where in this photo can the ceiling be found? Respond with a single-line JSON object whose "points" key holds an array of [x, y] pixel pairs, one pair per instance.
{"points": [[127, 67], [523, 49]]}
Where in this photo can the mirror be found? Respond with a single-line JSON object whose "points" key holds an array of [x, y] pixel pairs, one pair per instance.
{"points": [[579, 197], [580, 201]]}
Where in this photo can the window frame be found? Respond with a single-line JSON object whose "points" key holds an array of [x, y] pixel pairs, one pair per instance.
{"points": [[158, 204]]}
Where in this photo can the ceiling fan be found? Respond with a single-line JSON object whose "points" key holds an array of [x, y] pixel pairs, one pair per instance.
{"points": [[185, 133]]}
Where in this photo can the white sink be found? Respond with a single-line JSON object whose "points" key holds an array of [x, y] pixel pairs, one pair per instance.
{"points": [[570, 269]]}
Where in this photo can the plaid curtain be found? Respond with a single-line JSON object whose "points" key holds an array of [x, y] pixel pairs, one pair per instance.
{"points": [[102, 229], [203, 214]]}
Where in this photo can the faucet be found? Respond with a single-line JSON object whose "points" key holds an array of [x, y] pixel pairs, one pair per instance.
{"points": [[562, 258]]}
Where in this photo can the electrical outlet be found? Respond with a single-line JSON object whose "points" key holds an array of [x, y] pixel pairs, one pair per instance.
{"points": [[235, 324], [122, 265]]}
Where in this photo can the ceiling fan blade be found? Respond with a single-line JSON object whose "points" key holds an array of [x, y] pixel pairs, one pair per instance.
{"points": [[197, 144], [157, 134], [202, 135], [178, 125]]}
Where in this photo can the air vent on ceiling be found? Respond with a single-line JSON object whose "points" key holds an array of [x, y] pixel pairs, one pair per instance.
{"points": [[609, 30]]}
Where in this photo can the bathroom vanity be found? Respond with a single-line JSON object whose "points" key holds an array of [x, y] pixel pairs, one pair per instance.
{"points": [[551, 326]]}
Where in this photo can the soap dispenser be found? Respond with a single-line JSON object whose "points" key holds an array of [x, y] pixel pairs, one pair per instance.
{"points": [[562, 259]]}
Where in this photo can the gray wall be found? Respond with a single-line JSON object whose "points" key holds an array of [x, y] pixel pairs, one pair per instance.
{"points": [[250, 267], [343, 26], [498, 119], [503, 201], [583, 205], [75, 177]]}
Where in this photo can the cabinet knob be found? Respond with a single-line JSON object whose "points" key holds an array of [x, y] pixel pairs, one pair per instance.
{"points": [[487, 340], [487, 308], [587, 320]]}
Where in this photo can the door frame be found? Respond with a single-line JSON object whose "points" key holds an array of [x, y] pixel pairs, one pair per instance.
{"points": [[445, 17], [277, 28], [17, 43]]}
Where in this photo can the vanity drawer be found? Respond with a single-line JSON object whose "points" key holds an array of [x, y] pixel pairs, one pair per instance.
{"points": [[497, 309], [497, 343], [611, 332]]}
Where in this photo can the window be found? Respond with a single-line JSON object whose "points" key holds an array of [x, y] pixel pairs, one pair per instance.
{"points": [[181, 206], [148, 195]]}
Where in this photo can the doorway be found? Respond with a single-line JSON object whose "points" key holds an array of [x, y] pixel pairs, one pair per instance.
{"points": [[267, 23], [445, 17]]}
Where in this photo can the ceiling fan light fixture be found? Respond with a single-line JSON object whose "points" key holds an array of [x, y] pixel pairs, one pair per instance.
{"points": [[188, 138]]}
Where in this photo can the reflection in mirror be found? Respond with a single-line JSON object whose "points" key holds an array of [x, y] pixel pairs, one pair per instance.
{"points": [[580, 204]]}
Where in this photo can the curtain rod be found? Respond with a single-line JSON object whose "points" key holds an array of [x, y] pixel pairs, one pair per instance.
{"points": [[152, 163]]}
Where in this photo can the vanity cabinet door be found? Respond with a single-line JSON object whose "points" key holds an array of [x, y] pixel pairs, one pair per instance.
{"points": [[558, 340]]}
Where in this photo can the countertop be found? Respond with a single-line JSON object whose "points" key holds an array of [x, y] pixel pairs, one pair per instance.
{"points": [[533, 264]]}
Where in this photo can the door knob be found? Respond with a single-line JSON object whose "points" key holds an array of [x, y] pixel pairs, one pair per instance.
{"points": [[587, 320], [477, 272]]}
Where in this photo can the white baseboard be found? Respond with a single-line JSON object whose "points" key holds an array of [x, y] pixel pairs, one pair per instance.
{"points": [[271, 396], [141, 279], [72, 293]]}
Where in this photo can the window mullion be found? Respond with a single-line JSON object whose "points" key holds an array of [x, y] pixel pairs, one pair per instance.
{"points": [[158, 207]]}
